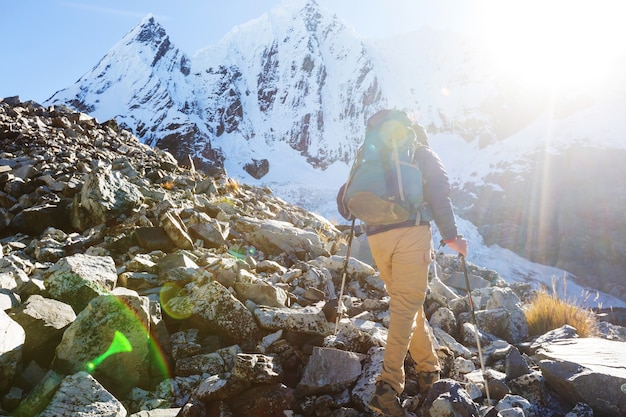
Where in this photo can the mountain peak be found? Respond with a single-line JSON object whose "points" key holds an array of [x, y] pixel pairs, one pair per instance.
{"points": [[148, 19], [298, 5], [147, 31]]}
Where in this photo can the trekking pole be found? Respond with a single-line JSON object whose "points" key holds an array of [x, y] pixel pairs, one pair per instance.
{"points": [[471, 303], [343, 278], [473, 315]]}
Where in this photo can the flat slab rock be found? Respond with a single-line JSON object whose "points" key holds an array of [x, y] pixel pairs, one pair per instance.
{"points": [[590, 370], [599, 355]]}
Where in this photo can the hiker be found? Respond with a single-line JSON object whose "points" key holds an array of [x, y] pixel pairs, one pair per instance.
{"points": [[402, 253]]}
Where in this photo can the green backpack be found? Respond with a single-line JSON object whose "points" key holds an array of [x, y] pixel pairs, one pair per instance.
{"points": [[385, 185]]}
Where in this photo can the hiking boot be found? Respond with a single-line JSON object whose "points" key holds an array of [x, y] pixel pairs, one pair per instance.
{"points": [[426, 381], [385, 401]]}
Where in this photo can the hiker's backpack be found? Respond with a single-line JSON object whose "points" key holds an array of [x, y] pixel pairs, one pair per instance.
{"points": [[385, 185]]}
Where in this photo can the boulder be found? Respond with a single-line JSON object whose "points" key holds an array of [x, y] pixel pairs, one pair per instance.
{"points": [[79, 278], [588, 370]]}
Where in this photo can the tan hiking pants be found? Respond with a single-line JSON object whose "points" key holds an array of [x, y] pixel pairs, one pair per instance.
{"points": [[402, 257]]}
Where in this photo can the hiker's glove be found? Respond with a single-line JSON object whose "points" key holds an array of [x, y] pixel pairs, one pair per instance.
{"points": [[341, 205], [458, 244]]}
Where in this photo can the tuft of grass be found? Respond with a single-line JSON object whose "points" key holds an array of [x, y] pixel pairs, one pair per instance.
{"points": [[547, 312], [225, 200]]}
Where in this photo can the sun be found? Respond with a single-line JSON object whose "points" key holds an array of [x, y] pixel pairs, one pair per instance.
{"points": [[554, 43]]}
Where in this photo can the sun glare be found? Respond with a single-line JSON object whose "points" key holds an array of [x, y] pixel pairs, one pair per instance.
{"points": [[554, 43]]}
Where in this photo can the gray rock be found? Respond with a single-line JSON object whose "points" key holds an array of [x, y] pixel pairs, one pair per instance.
{"points": [[515, 401], [358, 335], [39, 397], [220, 387], [356, 269], [44, 321], [12, 276], [8, 299], [329, 370], [444, 339], [309, 320], [11, 348], [111, 339], [176, 230], [262, 293], [257, 369], [212, 232], [449, 398], [275, 237], [153, 238], [444, 319], [586, 370], [211, 363], [457, 280], [79, 278], [81, 394], [364, 387], [515, 364], [531, 386], [215, 309], [34, 220], [106, 194]]}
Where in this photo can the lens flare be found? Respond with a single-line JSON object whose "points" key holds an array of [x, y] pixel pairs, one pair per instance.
{"points": [[175, 302], [236, 254], [128, 317], [119, 344]]}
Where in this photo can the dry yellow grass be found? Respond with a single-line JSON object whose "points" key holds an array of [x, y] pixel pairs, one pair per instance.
{"points": [[548, 312]]}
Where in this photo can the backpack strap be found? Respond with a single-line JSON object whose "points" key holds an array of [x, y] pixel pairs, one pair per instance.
{"points": [[400, 186], [391, 180]]}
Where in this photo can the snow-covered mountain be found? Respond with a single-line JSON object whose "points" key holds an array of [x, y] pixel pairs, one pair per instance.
{"points": [[295, 76], [282, 101]]}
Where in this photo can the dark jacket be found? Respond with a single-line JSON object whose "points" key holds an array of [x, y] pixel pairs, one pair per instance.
{"points": [[436, 195]]}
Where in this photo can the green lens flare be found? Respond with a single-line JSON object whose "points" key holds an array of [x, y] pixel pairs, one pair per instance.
{"points": [[119, 344], [240, 254], [236, 254], [624, 388]]}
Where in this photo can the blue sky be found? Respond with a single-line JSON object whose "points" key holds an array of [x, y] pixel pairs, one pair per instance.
{"points": [[47, 45]]}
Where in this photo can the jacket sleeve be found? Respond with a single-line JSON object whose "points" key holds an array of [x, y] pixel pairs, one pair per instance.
{"points": [[437, 191]]}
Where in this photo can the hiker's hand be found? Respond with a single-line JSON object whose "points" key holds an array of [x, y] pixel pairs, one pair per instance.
{"points": [[458, 245]]}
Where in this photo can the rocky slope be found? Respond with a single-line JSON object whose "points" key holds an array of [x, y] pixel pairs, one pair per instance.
{"points": [[132, 285]]}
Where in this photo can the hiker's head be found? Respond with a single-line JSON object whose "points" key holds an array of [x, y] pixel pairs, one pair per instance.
{"points": [[393, 125], [388, 114]]}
